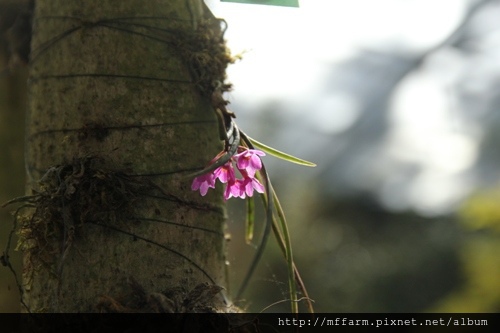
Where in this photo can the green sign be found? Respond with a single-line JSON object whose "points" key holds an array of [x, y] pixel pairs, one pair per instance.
{"points": [[284, 3]]}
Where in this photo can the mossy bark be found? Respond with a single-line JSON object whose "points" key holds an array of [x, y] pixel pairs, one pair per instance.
{"points": [[104, 82], [12, 106]]}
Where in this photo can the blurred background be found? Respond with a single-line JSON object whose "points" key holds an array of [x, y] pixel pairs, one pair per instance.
{"points": [[397, 102]]}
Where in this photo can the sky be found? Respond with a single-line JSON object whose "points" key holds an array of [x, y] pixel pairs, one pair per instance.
{"points": [[275, 39]]}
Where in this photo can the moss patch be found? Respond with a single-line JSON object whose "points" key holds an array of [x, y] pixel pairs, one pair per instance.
{"points": [[207, 56], [68, 197], [135, 299]]}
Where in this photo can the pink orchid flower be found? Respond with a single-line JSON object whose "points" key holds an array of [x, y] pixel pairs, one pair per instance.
{"points": [[234, 189], [250, 184], [203, 182], [249, 161], [225, 173]]}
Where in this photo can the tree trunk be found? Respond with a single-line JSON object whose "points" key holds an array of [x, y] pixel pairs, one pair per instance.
{"points": [[116, 122], [12, 106]]}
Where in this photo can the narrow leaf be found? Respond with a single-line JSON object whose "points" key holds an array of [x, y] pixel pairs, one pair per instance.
{"points": [[280, 154], [283, 239], [285, 235], [284, 3], [250, 221]]}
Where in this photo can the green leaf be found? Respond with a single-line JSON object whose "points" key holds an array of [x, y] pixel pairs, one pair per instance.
{"points": [[280, 154], [250, 221], [284, 3]]}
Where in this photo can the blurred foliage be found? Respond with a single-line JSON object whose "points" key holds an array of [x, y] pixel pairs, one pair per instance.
{"points": [[358, 257], [480, 292], [482, 212], [355, 256]]}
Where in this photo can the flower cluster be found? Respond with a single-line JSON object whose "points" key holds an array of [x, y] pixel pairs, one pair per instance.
{"points": [[247, 162]]}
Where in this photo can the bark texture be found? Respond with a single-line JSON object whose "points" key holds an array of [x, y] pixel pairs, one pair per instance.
{"points": [[113, 99], [12, 109]]}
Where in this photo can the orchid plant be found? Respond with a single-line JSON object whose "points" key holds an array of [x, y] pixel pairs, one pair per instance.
{"points": [[247, 162], [244, 154]]}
